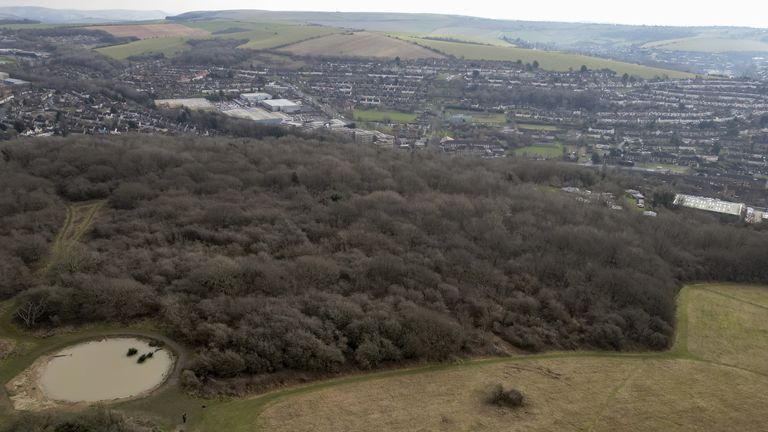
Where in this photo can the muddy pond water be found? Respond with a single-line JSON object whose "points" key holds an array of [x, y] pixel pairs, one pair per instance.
{"points": [[101, 370]]}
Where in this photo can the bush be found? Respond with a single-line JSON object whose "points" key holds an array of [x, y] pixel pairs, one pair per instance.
{"points": [[511, 398], [156, 343], [132, 352]]}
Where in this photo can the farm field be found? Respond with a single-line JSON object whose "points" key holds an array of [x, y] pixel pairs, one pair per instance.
{"points": [[258, 36], [271, 38], [150, 31], [710, 44], [383, 116], [362, 44], [548, 60], [540, 150], [480, 117], [713, 379], [166, 46]]}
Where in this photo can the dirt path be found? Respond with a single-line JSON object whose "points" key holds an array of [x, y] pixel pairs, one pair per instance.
{"points": [[79, 219]]}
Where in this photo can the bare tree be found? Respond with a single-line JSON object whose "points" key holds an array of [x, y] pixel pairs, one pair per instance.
{"points": [[30, 311]]}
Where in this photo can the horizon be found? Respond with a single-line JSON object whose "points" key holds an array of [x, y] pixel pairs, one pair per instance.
{"points": [[555, 11]]}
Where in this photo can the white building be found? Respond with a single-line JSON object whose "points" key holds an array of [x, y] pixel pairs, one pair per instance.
{"points": [[255, 97], [4, 76], [281, 105], [258, 115], [15, 82], [710, 205]]}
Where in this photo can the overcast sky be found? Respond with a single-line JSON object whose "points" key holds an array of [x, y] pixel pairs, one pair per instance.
{"points": [[753, 13]]}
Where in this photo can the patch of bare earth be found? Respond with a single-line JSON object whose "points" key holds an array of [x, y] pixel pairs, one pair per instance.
{"points": [[24, 392]]}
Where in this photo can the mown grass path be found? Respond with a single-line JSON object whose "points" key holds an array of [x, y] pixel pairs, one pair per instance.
{"points": [[79, 219]]}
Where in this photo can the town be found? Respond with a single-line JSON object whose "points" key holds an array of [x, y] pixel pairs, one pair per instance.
{"points": [[711, 131]]}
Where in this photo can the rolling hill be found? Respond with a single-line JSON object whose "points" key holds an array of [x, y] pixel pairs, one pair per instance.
{"points": [[407, 36], [363, 44], [554, 34], [71, 16], [548, 60]]}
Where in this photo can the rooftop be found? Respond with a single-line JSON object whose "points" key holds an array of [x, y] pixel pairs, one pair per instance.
{"points": [[709, 204], [280, 102]]}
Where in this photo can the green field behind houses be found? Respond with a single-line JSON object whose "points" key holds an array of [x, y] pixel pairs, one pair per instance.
{"points": [[383, 116], [540, 150], [479, 116], [664, 167], [538, 127], [548, 60]]}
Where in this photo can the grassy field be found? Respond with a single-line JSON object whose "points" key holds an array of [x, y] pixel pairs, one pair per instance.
{"points": [[548, 60], [537, 127], [479, 117], [710, 44], [383, 116], [259, 36], [541, 150], [700, 384], [632, 204], [363, 44], [282, 36], [167, 46], [665, 167], [149, 31]]}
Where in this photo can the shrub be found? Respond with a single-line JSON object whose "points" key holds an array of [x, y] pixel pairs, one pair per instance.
{"points": [[142, 358], [511, 398], [132, 352]]}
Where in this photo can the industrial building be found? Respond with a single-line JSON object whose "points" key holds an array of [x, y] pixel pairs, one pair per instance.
{"points": [[15, 82], [711, 205], [281, 105], [258, 115], [255, 97]]}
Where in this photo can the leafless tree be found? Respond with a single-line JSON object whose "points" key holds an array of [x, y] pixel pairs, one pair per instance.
{"points": [[30, 311]]}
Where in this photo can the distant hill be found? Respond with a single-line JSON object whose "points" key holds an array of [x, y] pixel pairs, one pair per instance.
{"points": [[543, 35], [71, 16]]}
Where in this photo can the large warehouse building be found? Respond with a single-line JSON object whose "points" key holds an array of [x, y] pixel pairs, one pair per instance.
{"points": [[711, 205], [255, 97], [258, 115], [281, 105]]}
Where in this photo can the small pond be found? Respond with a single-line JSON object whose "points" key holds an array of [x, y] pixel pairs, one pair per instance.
{"points": [[101, 370]]}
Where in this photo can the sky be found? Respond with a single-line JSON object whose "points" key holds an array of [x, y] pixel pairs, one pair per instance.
{"points": [[752, 13]]}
